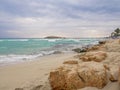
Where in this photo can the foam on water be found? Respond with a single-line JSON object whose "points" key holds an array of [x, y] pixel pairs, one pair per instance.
{"points": [[19, 50], [1, 40], [18, 40]]}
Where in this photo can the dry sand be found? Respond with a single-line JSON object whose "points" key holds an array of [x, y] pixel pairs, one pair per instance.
{"points": [[29, 75]]}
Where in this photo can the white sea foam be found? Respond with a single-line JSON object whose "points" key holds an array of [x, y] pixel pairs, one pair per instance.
{"points": [[12, 58], [1, 40], [52, 40], [37, 39], [18, 40], [61, 46], [6, 59]]}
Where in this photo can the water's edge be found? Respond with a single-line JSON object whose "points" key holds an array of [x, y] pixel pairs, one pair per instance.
{"points": [[20, 50]]}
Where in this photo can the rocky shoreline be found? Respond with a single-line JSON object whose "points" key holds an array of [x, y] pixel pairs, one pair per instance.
{"points": [[95, 67]]}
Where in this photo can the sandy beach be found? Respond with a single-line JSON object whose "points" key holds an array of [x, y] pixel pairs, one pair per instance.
{"points": [[30, 74]]}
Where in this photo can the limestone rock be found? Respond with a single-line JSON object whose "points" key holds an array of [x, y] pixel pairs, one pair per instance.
{"points": [[75, 77], [114, 74], [70, 62], [95, 47], [93, 74], [58, 78], [94, 56]]}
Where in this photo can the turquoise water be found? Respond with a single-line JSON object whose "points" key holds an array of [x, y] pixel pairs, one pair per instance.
{"points": [[22, 49]]}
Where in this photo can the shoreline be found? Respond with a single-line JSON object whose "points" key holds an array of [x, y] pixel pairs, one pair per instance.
{"points": [[12, 58], [96, 69], [34, 74], [30, 73]]}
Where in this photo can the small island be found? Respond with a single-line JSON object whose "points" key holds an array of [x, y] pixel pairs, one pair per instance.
{"points": [[54, 37]]}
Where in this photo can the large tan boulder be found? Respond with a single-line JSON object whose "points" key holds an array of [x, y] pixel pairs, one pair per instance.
{"points": [[58, 78], [114, 73], [94, 56], [78, 76], [93, 74]]}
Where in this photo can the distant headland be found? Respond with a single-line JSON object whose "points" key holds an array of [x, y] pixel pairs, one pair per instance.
{"points": [[54, 37]]}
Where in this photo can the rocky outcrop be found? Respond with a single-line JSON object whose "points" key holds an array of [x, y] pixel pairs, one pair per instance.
{"points": [[70, 62], [80, 50], [95, 68], [94, 56], [95, 47], [113, 46], [78, 76], [102, 42]]}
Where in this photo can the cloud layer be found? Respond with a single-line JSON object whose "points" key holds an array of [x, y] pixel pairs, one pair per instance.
{"points": [[71, 18]]}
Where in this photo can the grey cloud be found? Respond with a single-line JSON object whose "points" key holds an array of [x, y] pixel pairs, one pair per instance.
{"points": [[43, 17]]}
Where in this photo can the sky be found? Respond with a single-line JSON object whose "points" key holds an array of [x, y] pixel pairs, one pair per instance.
{"points": [[67, 18]]}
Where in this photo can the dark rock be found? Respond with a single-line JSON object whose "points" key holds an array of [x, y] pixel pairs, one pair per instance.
{"points": [[102, 42], [80, 50]]}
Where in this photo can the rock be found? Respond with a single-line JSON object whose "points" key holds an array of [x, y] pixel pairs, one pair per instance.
{"points": [[114, 74], [102, 42], [80, 50], [37, 87], [74, 81], [94, 56], [57, 79], [19, 89], [75, 77], [93, 74], [70, 62], [95, 47]]}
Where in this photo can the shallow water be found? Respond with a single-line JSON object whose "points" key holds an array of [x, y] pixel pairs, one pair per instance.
{"points": [[12, 50]]}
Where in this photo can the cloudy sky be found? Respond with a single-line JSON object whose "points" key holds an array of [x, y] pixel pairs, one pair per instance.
{"points": [[69, 18]]}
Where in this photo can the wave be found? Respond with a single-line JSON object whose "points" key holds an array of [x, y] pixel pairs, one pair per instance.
{"points": [[49, 40], [18, 40], [7, 59], [13, 58], [1, 40], [52, 40], [58, 45]]}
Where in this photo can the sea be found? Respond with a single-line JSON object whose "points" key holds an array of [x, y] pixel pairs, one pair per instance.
{"points": [[20, 50]]}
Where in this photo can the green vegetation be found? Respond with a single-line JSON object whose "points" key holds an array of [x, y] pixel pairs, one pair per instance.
{"points": [[116, 33]]}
